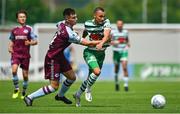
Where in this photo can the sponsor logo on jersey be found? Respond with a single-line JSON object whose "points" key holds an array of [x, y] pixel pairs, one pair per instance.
{"points": [[21, 37], [96, 36]]}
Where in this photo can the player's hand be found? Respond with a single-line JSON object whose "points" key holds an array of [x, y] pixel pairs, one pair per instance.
{"points": [[10, 49], [128, 45], [99, 46], [27, 43]]}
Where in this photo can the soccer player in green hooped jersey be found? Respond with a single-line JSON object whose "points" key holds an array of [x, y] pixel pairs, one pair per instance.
{"points": [[120, 44], [95, 29]]}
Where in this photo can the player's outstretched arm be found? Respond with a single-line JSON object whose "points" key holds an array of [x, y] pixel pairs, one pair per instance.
{"points": [[89, 43]]}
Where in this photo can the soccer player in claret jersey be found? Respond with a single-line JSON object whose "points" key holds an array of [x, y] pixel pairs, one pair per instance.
{"points": [[120, 45], [21, 38], [96, 29], [55, 62]]}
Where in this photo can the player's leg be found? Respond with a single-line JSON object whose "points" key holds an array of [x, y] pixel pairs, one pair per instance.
{"points": [[52, 72], [54, 84], [87, 83], [15, 81], [88, 95], [25, 72], [25, 83], [124, 62], [70, 75], [116, 70], [116, 59], [70, 78], [94, 73], [94, 60], [90, 59]]}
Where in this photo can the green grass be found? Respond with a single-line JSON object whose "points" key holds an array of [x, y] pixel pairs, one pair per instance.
{"points": [[105, 99]]}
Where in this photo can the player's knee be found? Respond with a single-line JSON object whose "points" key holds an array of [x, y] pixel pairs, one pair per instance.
{"points": [[14, 72], [97, 72], [125, 69], [55, 87], [73, 77]]}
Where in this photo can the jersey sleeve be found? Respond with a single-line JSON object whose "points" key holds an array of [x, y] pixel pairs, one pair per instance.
{"points": [[33, 35], [126, 33], [73, 36], [11, 36], [107, 24], [112, 34]]}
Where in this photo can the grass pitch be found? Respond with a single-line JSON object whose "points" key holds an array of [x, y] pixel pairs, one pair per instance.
{"points": [[105, 98]]}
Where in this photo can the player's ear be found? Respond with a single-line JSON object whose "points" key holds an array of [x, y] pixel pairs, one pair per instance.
{"points": [[67, 18], [94, 15]]}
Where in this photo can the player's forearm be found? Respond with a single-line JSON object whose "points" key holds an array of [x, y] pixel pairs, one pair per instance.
{"points": [[10, 44], [89, 43], [10, 47], [106, 37], [33, 42], [94, 43], [84, 34]]}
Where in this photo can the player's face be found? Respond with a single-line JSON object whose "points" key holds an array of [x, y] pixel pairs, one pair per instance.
{"points": [[99, 16], [21, 18], [72, 19], [119, 25]]}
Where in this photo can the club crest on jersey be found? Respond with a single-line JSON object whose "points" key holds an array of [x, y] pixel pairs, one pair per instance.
{"points": [[56, 75], [25, 31]]}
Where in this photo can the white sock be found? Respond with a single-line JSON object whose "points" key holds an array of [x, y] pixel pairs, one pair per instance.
{"points": [[125, 79], [41, 92]]}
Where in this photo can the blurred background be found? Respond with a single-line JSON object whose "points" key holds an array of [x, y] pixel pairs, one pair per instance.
{"points": [[131, 11], [153, 25]]}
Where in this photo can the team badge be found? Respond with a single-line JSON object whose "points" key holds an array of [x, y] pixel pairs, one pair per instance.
{"points": [[25, 31], [56, 75]]}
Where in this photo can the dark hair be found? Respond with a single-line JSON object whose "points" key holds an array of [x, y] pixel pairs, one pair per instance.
{"points": [[68, 12], [98, 8], [20, 11], [120, 20]]}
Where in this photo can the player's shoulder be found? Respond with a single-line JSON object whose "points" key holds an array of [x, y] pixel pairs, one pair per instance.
{"points": [[106, 21], [88, 22], [14, 28], [114, 31], [29, 27], [60, 23], [125, 30]]}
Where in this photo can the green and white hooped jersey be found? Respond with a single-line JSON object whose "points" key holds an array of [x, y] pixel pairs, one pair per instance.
{"points": [[96, 31], [120, 36]]}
